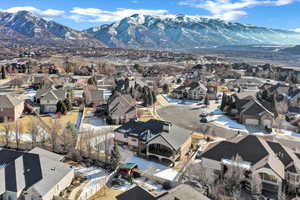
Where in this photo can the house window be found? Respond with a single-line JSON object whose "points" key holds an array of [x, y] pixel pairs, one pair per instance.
{"points": [[133, 140], [293, 178], [1, 109], [268, 177]]}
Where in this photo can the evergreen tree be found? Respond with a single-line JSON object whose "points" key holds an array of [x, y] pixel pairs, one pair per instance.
{"points": [[145, 99], [61, 107], [3, 76], [115, 157], [154, 96], [127, 85], [223, 103], [68, 104], [150, 98], [206, 100], [165, 88]]}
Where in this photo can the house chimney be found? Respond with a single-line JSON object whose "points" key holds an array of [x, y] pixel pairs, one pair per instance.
{"points": [[167, 127]]}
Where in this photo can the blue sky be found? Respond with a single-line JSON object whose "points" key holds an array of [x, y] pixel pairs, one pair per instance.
{"points": [[82, 14]]}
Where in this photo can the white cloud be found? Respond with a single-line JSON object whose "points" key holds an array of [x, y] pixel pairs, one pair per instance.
{"points": [[49, 13], [99, 15], [297, 30], [231, 10]]}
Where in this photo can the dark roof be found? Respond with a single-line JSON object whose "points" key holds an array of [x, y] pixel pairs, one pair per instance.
{"points": [[240, 103], [39, 171], [295, 110], [136, 193], [292, 169], [143, 130], [254, 108], [16, 164], [280, 152], [249, 148], [153, 129]]}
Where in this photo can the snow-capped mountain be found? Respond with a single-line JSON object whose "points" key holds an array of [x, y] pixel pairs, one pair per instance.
{"points": [[23, 27], [292, 50], [182, 31]]}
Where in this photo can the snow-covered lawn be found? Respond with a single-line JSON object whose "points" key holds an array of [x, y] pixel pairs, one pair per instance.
{"points": [[223, 120], [154, 168], [91, 172], [26, 137], [96, 179], [287, 134], [91, 122]]}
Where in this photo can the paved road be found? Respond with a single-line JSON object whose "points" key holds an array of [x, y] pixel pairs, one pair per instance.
{"points": [[188, 117]]}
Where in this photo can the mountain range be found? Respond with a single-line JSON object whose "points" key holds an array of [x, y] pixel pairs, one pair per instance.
{"points": [[141, 31], [24, 28]]}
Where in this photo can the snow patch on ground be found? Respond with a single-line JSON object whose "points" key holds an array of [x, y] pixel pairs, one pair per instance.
{"points": [[154, 168], [226, 122]]}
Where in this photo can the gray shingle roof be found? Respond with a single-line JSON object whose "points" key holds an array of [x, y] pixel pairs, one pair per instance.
{"points": [[8, 101], [176, 137], [183, 192], [119, 105], [37, 171]]}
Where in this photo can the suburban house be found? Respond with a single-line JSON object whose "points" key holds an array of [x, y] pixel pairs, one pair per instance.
{"points": [[155, 139], [248, 110], [192, 91], [11, 108], [180, 192], [95, 97], [276, 165], [121, 108], [244, 84], [48, 98], [38, 175], [41, 81], [212, 92]]}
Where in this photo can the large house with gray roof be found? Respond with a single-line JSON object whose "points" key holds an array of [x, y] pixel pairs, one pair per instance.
{"points": [[192, 91], [11, 108], [155, 139], [48, 99], [38, 175], [277, 166], [121, 108]]}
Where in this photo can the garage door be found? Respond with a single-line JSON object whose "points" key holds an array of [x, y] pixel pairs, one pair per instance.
{"points": [[252, 121], [267, 123]]}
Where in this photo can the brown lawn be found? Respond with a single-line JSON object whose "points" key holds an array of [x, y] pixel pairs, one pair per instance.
{"points": [[106, 193]]}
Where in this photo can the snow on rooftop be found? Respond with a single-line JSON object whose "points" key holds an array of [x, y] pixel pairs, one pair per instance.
{"points": [[243, 164]]}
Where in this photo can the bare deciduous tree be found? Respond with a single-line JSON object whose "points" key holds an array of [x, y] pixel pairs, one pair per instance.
{"points": [[19, 128], [8, 131], [256, 183], [34, 131], [233, 177], [55, 128]]}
